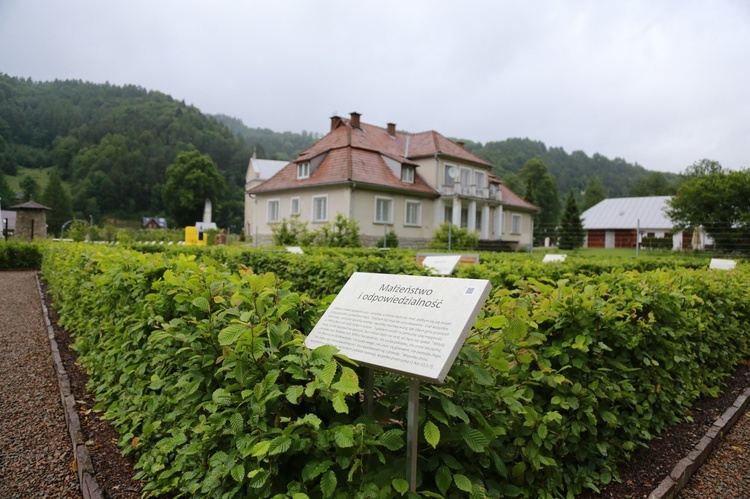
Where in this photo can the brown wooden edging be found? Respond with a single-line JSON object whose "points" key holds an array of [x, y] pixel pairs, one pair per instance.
{"points": [[82, 460], [680, 475]]}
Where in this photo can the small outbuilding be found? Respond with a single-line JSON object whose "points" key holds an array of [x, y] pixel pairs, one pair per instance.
{"points": [[31, 220]]}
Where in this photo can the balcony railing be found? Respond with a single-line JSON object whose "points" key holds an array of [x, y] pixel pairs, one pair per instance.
{"points": [[471, 191]]}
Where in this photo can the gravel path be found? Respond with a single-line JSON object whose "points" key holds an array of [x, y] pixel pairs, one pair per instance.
{"points": [[726, 473], [36, 458]]}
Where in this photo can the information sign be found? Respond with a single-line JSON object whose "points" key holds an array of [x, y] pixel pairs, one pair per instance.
{"points": [[718, 263], [413, 325], [441, 264], [294, 249], [554, 258]]}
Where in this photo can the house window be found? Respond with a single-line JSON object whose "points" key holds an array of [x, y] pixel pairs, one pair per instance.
{"points": [[479, 179], [450, 173], [515, 224], [303, 169], [295, 206], [465, 176], [464, 218], [407, 174], [273, 210], [383, 210], [478, 224], [320, 208], [413, 213]]}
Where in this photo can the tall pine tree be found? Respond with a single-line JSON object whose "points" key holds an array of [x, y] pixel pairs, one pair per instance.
{"points": [[571, 226], [56, 197]]}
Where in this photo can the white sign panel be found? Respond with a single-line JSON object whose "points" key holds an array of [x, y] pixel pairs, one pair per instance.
{"points": [[441, 264], [718, 263], [294, 249], [413, 325], [554, 258]]}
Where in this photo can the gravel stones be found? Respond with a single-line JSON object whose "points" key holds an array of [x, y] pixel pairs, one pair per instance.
{"points": [[36, 456]]}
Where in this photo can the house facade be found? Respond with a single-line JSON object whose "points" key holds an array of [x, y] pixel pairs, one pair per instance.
{"points": [[258, 171], [625, 222], [390, 181]]}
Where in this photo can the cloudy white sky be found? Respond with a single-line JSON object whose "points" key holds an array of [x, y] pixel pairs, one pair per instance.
{"points": [[661, 83]]}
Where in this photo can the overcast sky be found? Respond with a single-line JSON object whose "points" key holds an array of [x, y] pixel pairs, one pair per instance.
{"points": [[661, 83]]}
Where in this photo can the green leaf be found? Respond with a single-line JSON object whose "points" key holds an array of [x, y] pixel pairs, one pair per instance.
{"points": [[238, 472], [516, 329], [443, 479], [432, 434], [462, 482], [221, 397], [474, 438], [314, 469], [343, 436], [260, 449], [339, 403], [294, 392], [328, 483], [542, 431], [348, 383], [279, 445], [201, 303], [400, 485], [231, 334], [329, 371], [237, 423], [392, 439]]}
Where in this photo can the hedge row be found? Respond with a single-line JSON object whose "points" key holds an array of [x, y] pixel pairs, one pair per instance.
{"points": [[19, 255], [203, 372]]}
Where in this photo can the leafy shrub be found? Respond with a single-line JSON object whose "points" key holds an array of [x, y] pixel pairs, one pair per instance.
{"points": [[290, 232], [19, 255], [459, 239], [344, 233], [390, 240]]}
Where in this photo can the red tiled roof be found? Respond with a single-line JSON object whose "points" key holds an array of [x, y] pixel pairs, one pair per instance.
{"points": [[510, 198], [353, 154]]}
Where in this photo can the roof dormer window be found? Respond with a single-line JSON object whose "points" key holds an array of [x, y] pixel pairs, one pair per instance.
{"points": [[303, 170], [407, 174]]}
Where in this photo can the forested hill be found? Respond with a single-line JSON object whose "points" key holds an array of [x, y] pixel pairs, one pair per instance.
{"points": [[111, 146]]}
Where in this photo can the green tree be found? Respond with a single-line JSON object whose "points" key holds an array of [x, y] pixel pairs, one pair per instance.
{"points": [[191, 179], [653, 184], [571, 226], [594, 193], [56, 197], [717, 200], [541, 190], [29, 187], [449, 236]]}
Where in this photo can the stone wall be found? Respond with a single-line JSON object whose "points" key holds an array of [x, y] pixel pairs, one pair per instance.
{"points": [[31, 224]]}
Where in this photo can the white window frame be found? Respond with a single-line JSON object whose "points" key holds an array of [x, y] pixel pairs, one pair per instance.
{"points": [[324, 217], [273, 211], [479, 179], [294, 206], [418, 205], [303, 170], [465, 174], [407, 174], [516, 224], [376, 215]]}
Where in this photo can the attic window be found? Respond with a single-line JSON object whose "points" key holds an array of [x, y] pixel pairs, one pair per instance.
{"points": [[303, 170], [407, 174]]}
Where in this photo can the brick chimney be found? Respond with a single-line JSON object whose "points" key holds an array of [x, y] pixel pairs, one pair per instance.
{"points": [[461, 144], [355, 120], [335, 121], [392, 129]]}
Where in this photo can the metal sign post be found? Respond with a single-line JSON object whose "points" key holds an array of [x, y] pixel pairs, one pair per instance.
{"points": [[412, 434]]}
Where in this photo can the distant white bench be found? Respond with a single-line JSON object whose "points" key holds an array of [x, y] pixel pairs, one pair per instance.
{"points": [[718, 263]]}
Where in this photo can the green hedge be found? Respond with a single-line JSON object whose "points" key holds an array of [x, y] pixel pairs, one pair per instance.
{"points": [[203, 372], [19, 255]]}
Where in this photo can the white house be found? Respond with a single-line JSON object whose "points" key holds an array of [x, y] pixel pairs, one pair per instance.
{"points": [[258, 171], [390, 180]]}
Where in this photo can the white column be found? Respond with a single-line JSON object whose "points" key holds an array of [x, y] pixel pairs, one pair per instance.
{"points": [[485, 232], [457, 211], [498, 222], [472, 221]]}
